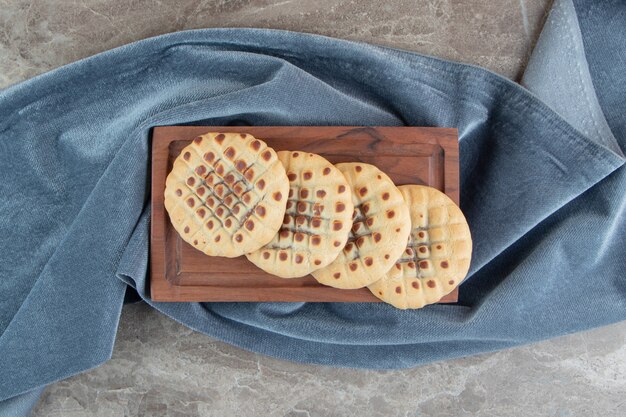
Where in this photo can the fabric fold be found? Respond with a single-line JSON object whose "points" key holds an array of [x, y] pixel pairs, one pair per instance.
{"points": [[558, 74]]}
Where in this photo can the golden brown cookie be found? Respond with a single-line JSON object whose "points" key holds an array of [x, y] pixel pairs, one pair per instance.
{"points": [[317, 221], [226, 194], [437, 256], [379, 233]]}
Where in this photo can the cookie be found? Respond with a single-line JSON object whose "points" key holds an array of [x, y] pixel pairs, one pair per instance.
{"points": [[226, 194], [317, 221], [437, 256], [379, 233]]}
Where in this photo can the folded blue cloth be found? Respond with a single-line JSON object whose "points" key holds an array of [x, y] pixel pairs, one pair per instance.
{"points": [[542, 188]]}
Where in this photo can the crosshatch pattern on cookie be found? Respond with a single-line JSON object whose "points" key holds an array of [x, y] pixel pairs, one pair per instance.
{"points": [[379, 231], [226, 193], [317, 218], [437, 256]]}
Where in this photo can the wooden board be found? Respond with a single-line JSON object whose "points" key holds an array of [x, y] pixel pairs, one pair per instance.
{"points": [[409, 155]]}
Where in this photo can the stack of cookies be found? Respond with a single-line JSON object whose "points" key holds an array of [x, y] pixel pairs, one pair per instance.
{"points": [[294, 213]]}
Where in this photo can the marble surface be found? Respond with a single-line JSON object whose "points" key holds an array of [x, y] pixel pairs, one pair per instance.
{"points": [[160, 368], [39, 35]]}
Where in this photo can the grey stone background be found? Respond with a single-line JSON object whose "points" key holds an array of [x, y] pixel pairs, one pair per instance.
{"points": [[160, 368]]}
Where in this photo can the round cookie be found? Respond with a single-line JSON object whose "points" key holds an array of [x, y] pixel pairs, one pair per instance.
{"points": [[317, 221], [226, 194], [379, 233], [437, 256]]}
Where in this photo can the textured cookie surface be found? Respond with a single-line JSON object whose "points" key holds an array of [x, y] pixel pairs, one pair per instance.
{"points": [[226, 194], [378, 235], [437, 256], [317, 220]]}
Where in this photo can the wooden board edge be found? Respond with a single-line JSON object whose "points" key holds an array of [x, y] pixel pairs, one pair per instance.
{"points": [[276, 294], [159, 286]]}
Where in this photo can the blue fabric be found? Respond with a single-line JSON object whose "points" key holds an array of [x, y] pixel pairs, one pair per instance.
{"points": [[543, 193], [21, 405]]}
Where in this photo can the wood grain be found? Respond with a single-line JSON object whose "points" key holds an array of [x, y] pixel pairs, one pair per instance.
{"points": [[409, 155]]}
